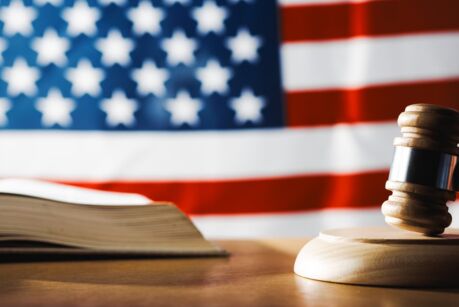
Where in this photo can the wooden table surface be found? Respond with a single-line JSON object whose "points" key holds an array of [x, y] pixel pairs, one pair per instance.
{"points": [[259, 273]]}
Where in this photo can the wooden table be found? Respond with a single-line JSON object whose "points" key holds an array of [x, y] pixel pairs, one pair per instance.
{"points": [[259, 273]]}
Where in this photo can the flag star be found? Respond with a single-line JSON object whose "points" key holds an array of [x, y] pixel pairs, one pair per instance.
{"points": [[51, 48], [85, 78], [117, 2], [52, 2], [179, 48], [210, 17], [247, 107], [244, 46], [115, 48], [150, 79], [21, 78], [182, 2], [5, 106], [146, 18], [55, 109], [183, 109], [214, 78], [17, 18], [2, 48], [81, 18], [119, 109]]}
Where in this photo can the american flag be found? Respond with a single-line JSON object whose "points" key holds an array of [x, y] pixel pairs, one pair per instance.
{"points": [[256, 117]]}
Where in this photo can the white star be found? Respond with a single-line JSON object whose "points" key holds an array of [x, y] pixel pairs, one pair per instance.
{"points": [[210, 17], [182, 2], [150, 79], [115, 48], [244, 46], [184, 109], [5, 106], [85, 78], [247, 107], [146, 18], [81, 18], [21, 78], [17, 18], [179, 48], [117, 2], [52, 2], [51, 48], [119, 109], [2, 48], [55, 109], [214, 78]]}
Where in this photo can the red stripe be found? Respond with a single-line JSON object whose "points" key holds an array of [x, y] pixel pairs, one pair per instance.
{"points": [[377, 103], [343, 20], [264, 195]]}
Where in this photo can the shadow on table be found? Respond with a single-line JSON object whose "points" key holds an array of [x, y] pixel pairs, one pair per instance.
{"points": [[28, 251], [131, 270]]}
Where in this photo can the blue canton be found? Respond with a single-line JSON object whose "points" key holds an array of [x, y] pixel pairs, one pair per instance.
{"points": [[139, 65]]}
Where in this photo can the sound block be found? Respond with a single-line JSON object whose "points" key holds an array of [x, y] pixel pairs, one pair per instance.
{"points": [[381, 257]]}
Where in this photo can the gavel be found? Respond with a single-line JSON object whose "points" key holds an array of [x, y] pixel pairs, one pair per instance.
{"points": [[424, 174]]}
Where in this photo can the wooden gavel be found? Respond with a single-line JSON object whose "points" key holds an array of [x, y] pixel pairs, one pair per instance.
{"points": [[425, 173]]}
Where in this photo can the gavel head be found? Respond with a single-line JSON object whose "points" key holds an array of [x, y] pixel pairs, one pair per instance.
{"points": [[422, 176]]}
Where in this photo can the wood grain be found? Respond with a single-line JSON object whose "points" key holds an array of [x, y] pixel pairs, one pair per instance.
{"points": [[258, 273], [381, 257]]}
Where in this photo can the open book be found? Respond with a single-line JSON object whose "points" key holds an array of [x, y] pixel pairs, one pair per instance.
{"points": [[66, 219]]}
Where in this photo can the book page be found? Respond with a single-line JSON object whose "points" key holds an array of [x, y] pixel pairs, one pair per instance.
{"points": [[69, 194]]}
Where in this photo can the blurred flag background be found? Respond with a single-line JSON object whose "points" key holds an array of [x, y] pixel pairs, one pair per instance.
{"points": [[256, 117]]}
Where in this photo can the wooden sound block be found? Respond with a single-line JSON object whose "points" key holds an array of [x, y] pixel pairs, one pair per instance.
{"points": [[381, 257]]}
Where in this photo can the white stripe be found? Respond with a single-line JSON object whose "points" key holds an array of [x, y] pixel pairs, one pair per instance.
{"points": [[312, 2], [285, 225], [360, 62], [293, 224], [198, 155]]}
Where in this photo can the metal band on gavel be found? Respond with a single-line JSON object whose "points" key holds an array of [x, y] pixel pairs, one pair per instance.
{"points": [[425, 171], [429, 168]]}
